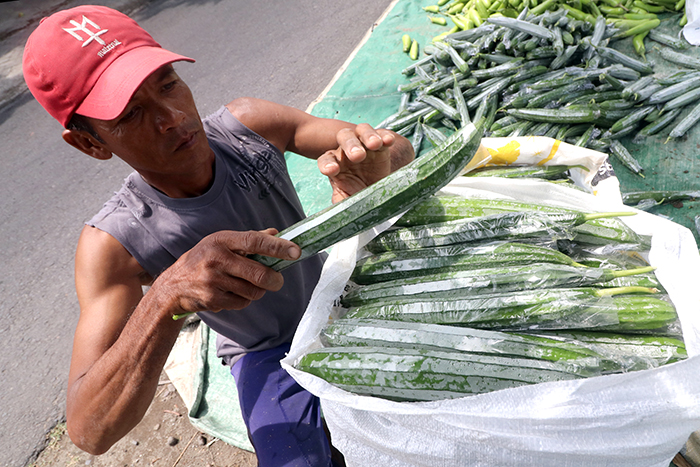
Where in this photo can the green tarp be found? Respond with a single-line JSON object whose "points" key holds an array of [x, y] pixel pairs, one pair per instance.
{"points": [[215, 409]]}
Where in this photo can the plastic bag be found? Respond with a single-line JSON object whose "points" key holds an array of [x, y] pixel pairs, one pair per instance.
{"points": [[635, 419], [589, 169], [691, 31]]}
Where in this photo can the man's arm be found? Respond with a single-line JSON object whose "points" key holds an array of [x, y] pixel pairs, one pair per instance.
{"points": [[352, 156], [123, 337]]}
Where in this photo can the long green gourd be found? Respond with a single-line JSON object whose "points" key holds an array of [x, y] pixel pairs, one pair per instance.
{"points": [[385, 333], [506, 225], [443, 208], [400, 264], [631, 352], [422, 375], [535, 276], [629, 309], [384, 199], [588, 353]]}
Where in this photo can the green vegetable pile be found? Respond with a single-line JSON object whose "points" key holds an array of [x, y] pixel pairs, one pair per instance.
{"points": [[548, 73], [635, 18], [467, 296]]}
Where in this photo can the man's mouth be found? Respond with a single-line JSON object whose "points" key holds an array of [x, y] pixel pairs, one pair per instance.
{"points": [[188, 141]]}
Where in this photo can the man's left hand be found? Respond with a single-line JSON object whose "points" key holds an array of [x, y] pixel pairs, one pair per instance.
{"points": [[362, 158]]}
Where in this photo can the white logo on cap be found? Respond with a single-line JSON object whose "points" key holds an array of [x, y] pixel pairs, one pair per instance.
{"points": [[83, 27]]}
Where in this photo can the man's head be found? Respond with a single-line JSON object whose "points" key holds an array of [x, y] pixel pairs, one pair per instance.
{"points": [[114, 88], [90, 60]]}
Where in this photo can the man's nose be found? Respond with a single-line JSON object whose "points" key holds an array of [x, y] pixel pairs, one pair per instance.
{"points": [[169, 117]]}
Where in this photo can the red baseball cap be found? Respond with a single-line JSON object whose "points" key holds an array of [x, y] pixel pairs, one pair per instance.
{"points": [[90, 60]]}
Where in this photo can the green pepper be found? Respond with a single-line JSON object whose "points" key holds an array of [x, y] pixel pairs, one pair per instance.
{"points": [[638, 43]]}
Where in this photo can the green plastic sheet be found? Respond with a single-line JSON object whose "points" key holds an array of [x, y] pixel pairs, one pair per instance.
{"points": [[215, 409]]}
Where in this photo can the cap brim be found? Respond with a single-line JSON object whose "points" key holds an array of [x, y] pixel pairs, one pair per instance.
{"points": [[113, 90]]}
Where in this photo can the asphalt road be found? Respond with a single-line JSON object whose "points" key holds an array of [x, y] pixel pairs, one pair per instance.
{"points": [[285, 51]]}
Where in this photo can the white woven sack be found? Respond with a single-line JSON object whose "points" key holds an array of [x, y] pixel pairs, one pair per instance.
{"points": [[636, 419]]}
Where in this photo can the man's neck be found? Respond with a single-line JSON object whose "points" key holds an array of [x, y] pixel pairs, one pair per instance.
{"points": [[190, 185]]}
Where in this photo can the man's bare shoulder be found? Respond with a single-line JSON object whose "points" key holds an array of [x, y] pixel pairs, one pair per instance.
{"points": [[243, 107], [100, 257], [261, 114]]}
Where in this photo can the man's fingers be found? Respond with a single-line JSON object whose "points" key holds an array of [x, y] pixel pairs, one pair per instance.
{"points": [[350, 142], [262, 243], [235, 273], [234, 293], [374, 139], [328, 164], [387, 137], [355, 143], [369, 137]]}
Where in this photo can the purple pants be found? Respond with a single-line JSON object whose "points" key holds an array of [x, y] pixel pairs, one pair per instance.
{"points": [[283, 419]]}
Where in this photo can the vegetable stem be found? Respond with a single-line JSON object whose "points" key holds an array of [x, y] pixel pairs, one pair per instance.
{"points": [[632, 272], [605, 215], [625, 290]]}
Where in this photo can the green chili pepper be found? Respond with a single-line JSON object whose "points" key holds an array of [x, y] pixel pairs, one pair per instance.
{"points": [[646, 26]]}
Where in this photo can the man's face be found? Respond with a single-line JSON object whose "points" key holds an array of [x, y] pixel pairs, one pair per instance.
{"points": [[159, 133]]}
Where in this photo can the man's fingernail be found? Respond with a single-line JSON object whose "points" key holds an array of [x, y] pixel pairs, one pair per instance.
{"points": [[356, 151], [293, 252]]}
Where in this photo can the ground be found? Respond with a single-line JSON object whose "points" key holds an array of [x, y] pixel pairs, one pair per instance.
{"points": [[152, 442]]}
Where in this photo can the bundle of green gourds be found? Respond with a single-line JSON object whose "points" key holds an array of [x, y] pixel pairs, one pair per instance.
{"points": [[466, 296]]}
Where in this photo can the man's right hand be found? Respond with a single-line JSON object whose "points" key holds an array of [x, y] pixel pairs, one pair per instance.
{"points": [[123, 337], [216, 274]]}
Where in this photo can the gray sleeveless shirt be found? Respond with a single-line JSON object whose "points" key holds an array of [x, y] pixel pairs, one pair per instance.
{"points": [[251, 191]]}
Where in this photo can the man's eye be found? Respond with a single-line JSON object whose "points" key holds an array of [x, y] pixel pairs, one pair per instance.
{"points": [[170, 85], [131, 114]]}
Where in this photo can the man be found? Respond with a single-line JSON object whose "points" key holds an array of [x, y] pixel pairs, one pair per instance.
{"points": [[205, 194]]}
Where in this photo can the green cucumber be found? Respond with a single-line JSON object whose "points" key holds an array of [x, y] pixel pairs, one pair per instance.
{"points": [[422, 375], [384, 199]]}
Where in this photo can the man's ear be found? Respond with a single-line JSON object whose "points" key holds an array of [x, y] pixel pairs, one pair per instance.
{"points": [[87, 143]]}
